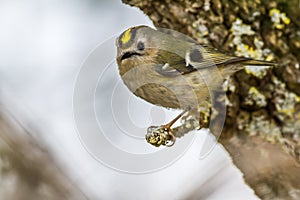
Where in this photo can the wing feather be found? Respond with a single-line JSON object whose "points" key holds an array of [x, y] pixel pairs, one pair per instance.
{"points": [[209, 57]]}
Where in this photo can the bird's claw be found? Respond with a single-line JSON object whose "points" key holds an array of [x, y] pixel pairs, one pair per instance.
{"points": [[163, 135], [172, 137], [160, 135]]}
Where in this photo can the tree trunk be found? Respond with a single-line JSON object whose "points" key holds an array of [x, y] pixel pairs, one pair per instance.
{"points": [[262, 126]]}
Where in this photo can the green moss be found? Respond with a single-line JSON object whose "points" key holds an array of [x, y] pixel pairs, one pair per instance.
{"points": [[238, 30], [255, 98], [258, 123], [278, 18]]}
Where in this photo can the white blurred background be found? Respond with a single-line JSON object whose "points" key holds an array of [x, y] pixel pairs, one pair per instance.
{"points": [[42, 47]]}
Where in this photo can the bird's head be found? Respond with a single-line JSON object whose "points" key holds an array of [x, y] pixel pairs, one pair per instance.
{"points": [[135, 47]]}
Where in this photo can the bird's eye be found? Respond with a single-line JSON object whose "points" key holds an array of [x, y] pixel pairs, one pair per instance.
{"points": [[140, 46]]}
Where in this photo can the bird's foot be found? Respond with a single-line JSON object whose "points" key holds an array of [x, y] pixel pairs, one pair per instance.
{"points": [[163, 135]]}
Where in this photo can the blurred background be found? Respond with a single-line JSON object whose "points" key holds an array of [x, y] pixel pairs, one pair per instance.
{"points": [[43, 45]]}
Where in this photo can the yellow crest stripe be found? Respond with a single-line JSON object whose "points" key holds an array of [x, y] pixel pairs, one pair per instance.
{"points": [[126, 36]]}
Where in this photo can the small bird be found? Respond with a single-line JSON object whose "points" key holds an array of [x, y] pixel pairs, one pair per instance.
{"points": [[166, 68]]}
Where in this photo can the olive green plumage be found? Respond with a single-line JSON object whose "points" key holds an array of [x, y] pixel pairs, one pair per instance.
{"points": [[166, 68]]}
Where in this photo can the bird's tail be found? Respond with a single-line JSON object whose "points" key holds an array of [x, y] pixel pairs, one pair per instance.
{"points": [[239, 63], [258, 62]]}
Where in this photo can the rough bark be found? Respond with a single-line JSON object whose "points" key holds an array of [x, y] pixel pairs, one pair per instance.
{"points": [[262, 127]]}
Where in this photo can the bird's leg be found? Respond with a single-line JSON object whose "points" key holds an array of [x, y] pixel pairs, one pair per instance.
{"points": [[167, 127], [161, 135]]}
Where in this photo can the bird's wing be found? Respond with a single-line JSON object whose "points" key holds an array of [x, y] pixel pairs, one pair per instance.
{"points": [[200, 57], [206, 56]]}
